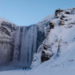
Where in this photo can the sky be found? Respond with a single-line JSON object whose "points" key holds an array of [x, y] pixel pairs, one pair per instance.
{"points": [[27, 12]]}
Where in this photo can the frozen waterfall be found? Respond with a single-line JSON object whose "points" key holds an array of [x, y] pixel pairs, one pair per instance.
{"points": [[25, 45], [17, 45]]}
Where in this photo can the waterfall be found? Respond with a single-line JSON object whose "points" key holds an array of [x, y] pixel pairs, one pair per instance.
{"points": [[16, 45], [27, 41]]}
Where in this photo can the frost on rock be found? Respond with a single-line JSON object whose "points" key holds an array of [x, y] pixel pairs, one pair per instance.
{"points": [[6, 44], [25, 45], [58, 37], [46, 55], [37, 58], [58, 12]]}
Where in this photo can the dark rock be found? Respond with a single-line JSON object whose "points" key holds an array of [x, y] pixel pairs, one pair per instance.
{"points": [[62, 17], [46, 56], [51, 25], [67, 12], [58, 11]]}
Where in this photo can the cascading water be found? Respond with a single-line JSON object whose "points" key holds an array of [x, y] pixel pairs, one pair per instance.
{"points": [[16, 45], [25, 45]]}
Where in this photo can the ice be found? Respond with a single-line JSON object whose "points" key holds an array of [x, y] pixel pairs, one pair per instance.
{"points": [[25, 47], [17, 44]]}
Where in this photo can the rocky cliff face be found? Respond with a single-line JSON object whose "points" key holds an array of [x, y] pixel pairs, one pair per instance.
{"points": [[7, 31]]}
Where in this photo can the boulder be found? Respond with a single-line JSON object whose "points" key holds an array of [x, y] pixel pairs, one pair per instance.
{"points": [[51, 25], [58, 11], [46, 55]]}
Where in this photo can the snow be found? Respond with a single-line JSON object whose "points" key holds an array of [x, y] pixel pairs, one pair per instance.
{"points": [[4, 20], [48, 52], [58, 67], [62, 65], [61, 37], [13, 72], [45, 20], [64, 37]]}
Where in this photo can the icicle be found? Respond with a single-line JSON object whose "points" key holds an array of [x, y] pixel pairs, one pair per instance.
{"points": [[17, 43], [28, 45]]}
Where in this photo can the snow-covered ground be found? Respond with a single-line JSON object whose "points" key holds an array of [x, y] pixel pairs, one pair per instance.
{"points": [[56, 68], [62, 65], [13, 72]]}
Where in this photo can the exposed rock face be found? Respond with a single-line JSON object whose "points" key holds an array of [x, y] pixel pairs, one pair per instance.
{"points": [[51, 25], [46, 55], [7, 31], [58, 12]]}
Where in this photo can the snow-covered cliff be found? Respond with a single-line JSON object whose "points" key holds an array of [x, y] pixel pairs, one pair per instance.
{"points": [[59, 39], [7, 30]]}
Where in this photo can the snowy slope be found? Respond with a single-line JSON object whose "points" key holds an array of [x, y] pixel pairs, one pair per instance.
{"points": [[60, 40]]}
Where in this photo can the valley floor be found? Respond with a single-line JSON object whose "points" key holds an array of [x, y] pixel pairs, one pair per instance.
{"points": [[62, 65], [58, 69]]}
